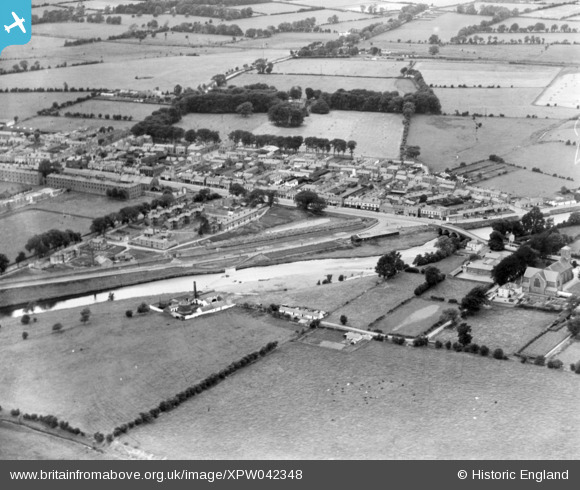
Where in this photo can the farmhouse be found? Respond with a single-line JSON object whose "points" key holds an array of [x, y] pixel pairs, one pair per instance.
{"points": [[301, 312]]}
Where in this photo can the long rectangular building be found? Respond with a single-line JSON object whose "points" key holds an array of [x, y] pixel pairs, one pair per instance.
{"points": [[13, 173], [94, 185]]}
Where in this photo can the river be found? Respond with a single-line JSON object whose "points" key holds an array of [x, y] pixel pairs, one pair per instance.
{"points": [[292, 275]]}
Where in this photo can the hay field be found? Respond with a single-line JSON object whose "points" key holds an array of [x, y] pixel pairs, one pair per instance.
{"points": [[164, 73], [523, 182], [564, 91], [550, 157], [504, 327], [76, 30], [104, 373], [287, 40], [343, 66], [383, 141], [381, 401], [445, 26], [512, 102], [328, 83], [25, 105], [502, 74]]}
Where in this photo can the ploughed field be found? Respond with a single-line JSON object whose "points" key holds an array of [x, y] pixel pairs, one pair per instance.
{"points": [[381, 401]]}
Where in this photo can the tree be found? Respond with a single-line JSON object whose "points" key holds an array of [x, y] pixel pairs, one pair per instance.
{"points": [[19, 258], [245, 109], [310, 201], [433, 50], [389, 265], [533, 222], [238, 189], [474, 299], [295, 92], [286, 115], [449, 315], [3, 263], [85, 315], [177, 89], [463, 334], [495, 242], [57, 327], [343, 319], [574, 326], [432, 275], [25, 319], [46, 167], [351, 145], [320, 106], [434, 39], [24, 335]]}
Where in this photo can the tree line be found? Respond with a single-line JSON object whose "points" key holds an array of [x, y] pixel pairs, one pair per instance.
{"points": [[43, 243], [206, 8]]}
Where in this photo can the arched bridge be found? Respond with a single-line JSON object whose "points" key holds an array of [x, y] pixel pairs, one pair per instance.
{"points": [[461, 232]]}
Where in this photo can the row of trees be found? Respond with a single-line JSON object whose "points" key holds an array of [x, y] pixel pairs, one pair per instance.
{"points": [[116, 193], [446, 245], [43, 243]]}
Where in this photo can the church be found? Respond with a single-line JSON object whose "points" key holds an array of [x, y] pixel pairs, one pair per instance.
{"points": [[550, 280]]}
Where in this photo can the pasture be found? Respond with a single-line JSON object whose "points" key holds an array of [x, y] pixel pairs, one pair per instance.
{"points": [[52, 124], [25, 105], [328, 83], [270, 8], [484, 74], [286, 40], [564, 91], [139, 111], [504, 327], [570, 354], [446, 141], [512, 102], [412, 319], [523, 182], [445, 26], [26, 223], [381, 401], [547, 38], [560, 12], [342, 67], [76, 30], [338, 124], [143, 74], [102, 374]]}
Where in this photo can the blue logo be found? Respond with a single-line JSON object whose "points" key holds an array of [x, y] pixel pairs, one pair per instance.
{"points": [[15, 25]]}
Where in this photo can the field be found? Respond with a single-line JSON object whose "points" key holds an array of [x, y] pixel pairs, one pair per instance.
{"points": [[543, 345], [139, 111], [412, 319], [512, 102], [564, 91], [142, 74], [121, 366], [377, 301], [329, 83], [342, 67], [502, 74], [337, 124], [24, 224], [560, 12], [447, 141], [504, 327], [445, 26], [571, 354], [522, 182], [270, 8], [66, 124], [380, 402], [8, 189], [287, 40], [25, 105]]}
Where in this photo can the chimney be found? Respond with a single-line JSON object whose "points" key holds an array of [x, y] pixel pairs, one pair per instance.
{"points": [[194, 290]]}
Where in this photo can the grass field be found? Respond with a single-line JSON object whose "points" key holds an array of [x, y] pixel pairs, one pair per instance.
{"points": [[165, 73], [121, 366], [559, 12], [445, 26], [502, 74], [137, 110], [270, 7], [412, 319], [328, 83], [571, 354], [512, 102], [521, 182], [25, 105], [65, 124], [380, 402], [337, 124], [342, 67], [564, 91], [8, 189], [24, 224], [288, 40], [447, 141], [504, 327]]}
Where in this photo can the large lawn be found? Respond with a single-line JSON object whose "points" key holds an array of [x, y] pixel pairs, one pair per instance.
{"points": [[104, 373], [383, 141], [504, 327], [380, 402]]}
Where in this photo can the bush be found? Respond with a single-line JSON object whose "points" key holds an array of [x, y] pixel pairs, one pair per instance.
{"points": [[24, 335], [343, 319], [452, 300], [15, 412], [421, 288], [577, 370], [109, 438], [438, 344], [341, 278], [143, 308], [484, 350], [540, 361], [99, 437], [129, 313], [555, 364], [25, 320], [57, 327], [448, 345], [498, 354]]}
